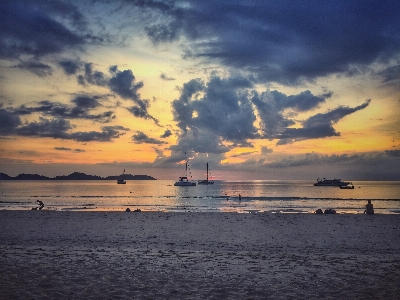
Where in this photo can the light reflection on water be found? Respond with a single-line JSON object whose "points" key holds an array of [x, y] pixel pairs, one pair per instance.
{"points": [[162, 195]]}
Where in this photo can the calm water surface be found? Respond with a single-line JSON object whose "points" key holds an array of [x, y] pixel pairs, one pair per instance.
{"points": [[222, 196]]}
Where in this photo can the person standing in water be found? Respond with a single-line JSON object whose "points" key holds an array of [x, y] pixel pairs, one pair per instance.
{"points": [[369, 208]]}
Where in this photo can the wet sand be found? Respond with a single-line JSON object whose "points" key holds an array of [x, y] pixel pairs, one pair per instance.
{"points": [[120, 255]]}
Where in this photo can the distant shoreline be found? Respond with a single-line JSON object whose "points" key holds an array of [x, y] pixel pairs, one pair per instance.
{"points": [[74, 176]]}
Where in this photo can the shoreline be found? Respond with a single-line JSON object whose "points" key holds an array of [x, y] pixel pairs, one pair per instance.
{"points": [[188, 209], [180, 255]]}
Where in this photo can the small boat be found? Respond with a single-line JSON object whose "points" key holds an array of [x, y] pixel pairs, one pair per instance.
{"points": [[183, 180], [206, 181], [331, 182], [347, 187], [122, 181]]}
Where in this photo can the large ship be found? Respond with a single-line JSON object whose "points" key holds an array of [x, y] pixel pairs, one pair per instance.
{"points": [[331, 182]]}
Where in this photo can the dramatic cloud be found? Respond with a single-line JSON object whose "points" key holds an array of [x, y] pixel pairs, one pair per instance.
{"points": [[283, 41], [142, 138], [227, 108], [219, 107]]}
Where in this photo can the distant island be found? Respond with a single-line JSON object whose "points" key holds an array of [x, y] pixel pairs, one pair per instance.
{"points": [[74, 176]]}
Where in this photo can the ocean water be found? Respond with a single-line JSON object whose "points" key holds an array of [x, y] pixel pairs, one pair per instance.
{"points": [[223, 196]]}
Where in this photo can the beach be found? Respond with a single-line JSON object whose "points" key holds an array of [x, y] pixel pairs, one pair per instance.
{"points": [[186, 255]]}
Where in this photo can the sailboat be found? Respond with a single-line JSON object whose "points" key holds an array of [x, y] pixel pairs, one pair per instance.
{"points": [[122, 180], [183, 180], [206, 181]]}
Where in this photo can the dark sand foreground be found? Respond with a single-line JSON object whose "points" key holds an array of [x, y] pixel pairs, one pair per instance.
{"points": [[120, 255]]}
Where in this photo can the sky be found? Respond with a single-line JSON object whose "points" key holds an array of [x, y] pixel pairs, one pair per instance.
{"points": [[268, 90]]}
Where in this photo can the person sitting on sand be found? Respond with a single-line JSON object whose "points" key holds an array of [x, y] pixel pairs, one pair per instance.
{"points": [[41, 205], [369, 208], [330, 211]]}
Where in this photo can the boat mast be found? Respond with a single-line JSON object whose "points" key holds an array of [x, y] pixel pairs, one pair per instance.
{"points": [[207, 172]]}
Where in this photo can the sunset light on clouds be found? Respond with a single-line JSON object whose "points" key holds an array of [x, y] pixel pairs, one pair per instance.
{"points": [[260, 90]]}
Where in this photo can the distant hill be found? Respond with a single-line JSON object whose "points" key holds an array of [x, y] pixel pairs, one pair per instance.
{"points": [[74, 176]]}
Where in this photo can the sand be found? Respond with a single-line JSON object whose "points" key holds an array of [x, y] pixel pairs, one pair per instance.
{"points": [[151, 255]]}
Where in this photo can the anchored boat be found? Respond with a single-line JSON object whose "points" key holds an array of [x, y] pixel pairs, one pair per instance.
{"points": [[183, 180], [331, 182], [206, 181], [122, 180]]}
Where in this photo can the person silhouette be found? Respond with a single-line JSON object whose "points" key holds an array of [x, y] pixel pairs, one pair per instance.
{"points": [[369, 208], [41, 205]]}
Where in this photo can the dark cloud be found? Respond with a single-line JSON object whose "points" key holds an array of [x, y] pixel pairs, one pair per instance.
{"points": [[55, 128], [58, 129], [213, 117], [35, 28], [159, 33], [164, 76], [107, 134], [220, 107], [282, 41], [166, 134], [92, 76], [122, 83], [318, 126], [391, 76], [333, 116], [265, 150], [80, 110], [8, 121], [313, 159], [364, 166], [142, 138], [36, 67], [393, 153], [70, 67], [200, 142], [272, 105], [225, 110]]}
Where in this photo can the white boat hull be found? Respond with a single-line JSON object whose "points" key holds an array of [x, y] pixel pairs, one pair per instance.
{"points": [[185, 183]]}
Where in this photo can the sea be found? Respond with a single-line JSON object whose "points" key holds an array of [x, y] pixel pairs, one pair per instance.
{"points": [[257, 196]]}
